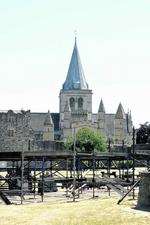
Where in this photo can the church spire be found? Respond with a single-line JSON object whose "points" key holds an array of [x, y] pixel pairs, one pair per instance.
{"points": [[120, 114], [75, 79], [101, 107]]}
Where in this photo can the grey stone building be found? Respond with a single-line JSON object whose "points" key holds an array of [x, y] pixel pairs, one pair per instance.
{"points": [[75, 111], [75, 102], [16, 133], [25, 129]]}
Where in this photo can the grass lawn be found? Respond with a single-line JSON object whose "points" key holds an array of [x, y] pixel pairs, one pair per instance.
{"points": [[101, 211]]}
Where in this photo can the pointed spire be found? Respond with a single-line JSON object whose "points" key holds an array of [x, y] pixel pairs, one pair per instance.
{"points": [[75, 77], [67, 107], [48, 119], [120, 114], [101, 107]]}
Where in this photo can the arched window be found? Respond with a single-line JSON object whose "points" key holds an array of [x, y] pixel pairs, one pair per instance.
{"points": [[80, 103], [72, 103]]}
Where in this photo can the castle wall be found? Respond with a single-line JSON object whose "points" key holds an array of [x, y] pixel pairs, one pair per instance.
{"points": [[15, 131]]}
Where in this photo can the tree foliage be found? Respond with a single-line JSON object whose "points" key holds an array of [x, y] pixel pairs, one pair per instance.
{"points": [[143, 134], [87, 141]]}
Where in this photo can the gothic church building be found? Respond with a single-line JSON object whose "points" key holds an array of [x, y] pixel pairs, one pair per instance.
{"points": [[75, 108], [75, 112]]}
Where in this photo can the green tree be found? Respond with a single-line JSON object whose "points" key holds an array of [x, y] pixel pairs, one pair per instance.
{"points": [[143, 134], [87, 141]]}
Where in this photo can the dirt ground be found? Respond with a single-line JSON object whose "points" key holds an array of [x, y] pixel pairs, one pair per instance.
{"points": [[57, 210]]}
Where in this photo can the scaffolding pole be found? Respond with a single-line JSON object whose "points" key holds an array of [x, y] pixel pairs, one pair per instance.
{"points": [[22, 177], [133, 151]]}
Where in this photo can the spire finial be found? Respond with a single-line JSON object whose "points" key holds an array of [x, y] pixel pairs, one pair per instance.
{"points": [[75, 34]]}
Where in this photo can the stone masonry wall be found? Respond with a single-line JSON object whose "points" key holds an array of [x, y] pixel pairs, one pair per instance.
{"points": [[144, 190], [15, 131]]}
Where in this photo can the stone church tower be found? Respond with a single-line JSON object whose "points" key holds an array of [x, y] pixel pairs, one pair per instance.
{"points": [[75, 108], [75, 97]]}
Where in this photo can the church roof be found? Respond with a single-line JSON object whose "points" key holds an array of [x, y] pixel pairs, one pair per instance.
{"points": [[101, 107], [75, 79], [37, 121], [120, 114]]}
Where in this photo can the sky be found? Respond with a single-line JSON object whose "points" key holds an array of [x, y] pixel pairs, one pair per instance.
{"points": [[113, 38]]}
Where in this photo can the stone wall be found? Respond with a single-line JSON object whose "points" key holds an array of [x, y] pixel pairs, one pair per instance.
{"points": [[144, 190], [16, 134], [15, 131], [49, 146]]}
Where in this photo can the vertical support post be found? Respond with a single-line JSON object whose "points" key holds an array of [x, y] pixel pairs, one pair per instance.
{"points": [[42, 184], [109, 162], [123, 165], [133, 151], [51, 168], [119, 171], [71, 167], [123, 168], [29, 177], [22, 173], [93, 174], [127, 164], [77, 167], [123, 145], [80, 167], [34, 187], [13, 166], [148, 164], [109, 145], [29, 145], [74, 164], [67, 177]]}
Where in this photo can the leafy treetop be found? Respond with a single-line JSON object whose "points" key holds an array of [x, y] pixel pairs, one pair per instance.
{"points": [[143, 134], [87, 141]]}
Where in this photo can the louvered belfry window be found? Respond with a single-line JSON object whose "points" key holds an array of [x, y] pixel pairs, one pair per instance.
{"points": [[80, 103], [72, 103]]}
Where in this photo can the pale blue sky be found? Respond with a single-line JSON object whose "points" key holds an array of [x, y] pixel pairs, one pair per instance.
{"points": [[36, 42]]}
